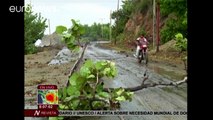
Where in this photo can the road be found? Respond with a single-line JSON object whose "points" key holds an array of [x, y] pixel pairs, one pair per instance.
{"points": [[130, 74]]}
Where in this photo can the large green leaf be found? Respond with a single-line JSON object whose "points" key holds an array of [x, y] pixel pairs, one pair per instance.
{"points": [[106, 71], [98, 65], [104, 94], [74, 78], [67, 35], [121, 98], [114, 72], [88, 63], [73, 22], [75, 103], [73, 90], [91, 76], [119, 91], [60, 29], [84, 71]]}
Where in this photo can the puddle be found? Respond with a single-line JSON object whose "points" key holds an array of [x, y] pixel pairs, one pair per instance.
{"points": [[170, 74]]}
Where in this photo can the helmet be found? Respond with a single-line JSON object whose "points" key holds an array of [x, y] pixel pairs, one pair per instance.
{"points": [[138, 38]]}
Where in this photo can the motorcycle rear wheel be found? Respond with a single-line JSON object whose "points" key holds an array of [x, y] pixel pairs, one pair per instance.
{"points": [[145, 56]]}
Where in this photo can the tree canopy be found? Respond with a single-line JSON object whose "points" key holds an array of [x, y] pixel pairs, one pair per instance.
{"points": [[34, 27]]}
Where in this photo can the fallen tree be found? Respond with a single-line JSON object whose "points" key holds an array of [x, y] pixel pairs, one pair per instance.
{"points": [[80, 61], [84, 88]]}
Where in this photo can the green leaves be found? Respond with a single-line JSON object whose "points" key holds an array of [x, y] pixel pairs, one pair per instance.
{"points": [[106, 71], [60, 29], [181, 43], [34, 27], [88, 64], [179, 36], [120, 98], [85, 86], [120, 94], [91, 76], [73, 90], [107, 68], [71, 36], [77, 29], [85, 71], [104, 95], [73, 79], [176, 10]]}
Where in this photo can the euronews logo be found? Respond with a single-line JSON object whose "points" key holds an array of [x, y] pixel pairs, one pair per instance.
{"points": [[28, 8], [19, 9]]}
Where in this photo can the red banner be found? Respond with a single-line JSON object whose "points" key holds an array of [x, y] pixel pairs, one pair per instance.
{"points": [[47, 87], [40, 113], [48, 106]]}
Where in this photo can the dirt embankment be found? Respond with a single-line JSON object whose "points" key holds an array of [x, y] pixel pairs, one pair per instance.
{"points": [[37, 71]]}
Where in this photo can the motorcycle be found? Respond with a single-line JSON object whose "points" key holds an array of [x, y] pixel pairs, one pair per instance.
{"points": [[143, 54]]}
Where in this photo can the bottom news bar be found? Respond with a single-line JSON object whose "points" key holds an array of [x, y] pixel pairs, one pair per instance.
{"points": [[51, 113]]}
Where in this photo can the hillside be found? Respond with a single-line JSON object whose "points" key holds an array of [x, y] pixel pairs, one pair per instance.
{"points": [[136, 16]]}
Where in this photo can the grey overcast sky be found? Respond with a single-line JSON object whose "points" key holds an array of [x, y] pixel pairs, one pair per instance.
{"points": [[60, 12]]}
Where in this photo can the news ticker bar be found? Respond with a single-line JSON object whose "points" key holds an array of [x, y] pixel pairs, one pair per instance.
{"points": [[51, 113]]}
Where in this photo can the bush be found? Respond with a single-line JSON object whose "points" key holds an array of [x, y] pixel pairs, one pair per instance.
{"points": [[181, 43], [173, 26], [34, 27], [31, 49], [141, 32], [120, 37]]}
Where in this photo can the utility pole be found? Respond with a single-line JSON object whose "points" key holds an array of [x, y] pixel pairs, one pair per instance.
{"points": [[154, 20], [49, 32], [110, 29], [102, 35], [117, 17], [49, 26], [118, 5], [158, 25]]}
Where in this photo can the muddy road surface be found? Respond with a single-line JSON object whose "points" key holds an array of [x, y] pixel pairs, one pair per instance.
{"points": [[130, 74]]}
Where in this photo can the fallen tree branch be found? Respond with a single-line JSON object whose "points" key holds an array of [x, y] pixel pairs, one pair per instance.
{"points": [[77, 63], [142, 86]]}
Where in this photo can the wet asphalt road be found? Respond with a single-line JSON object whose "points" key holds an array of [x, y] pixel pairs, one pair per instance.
{"points": [[130, 74]]}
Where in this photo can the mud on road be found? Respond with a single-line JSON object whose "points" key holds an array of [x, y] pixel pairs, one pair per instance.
{"points": [[130, 74]]}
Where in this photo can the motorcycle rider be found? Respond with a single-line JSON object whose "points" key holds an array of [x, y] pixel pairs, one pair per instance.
{"points": [[140, 41]]}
